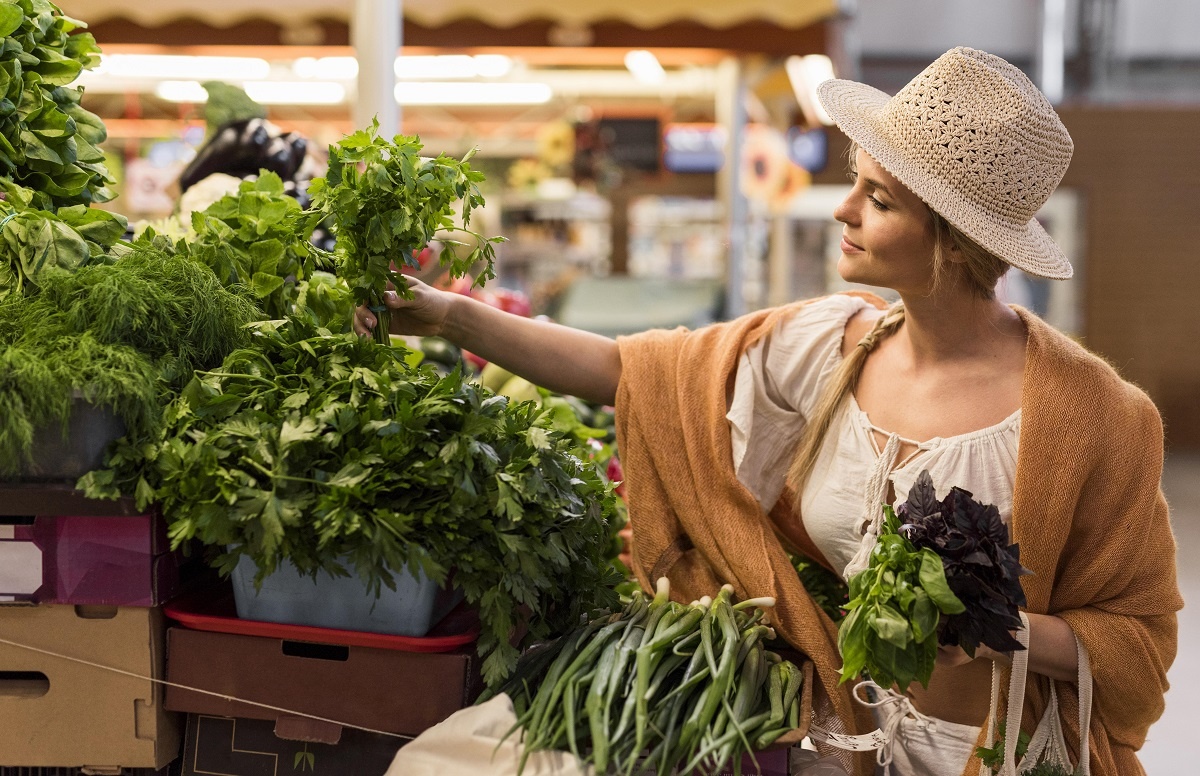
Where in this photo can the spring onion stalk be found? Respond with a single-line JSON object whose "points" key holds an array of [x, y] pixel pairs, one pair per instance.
{"points": [[659, 685]]}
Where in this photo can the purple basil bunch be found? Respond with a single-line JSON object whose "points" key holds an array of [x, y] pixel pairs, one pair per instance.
{"points": [[982, 568]]}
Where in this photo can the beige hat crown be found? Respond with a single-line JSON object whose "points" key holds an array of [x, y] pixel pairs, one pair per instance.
{"points": [[975, 139]]}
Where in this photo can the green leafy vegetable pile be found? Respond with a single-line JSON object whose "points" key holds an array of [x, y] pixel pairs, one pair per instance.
{"points": [[386, 202], [330, 452], [34, 241], [982, 568], [48, 141], [256, 240], [118, 334], [680, 686]]}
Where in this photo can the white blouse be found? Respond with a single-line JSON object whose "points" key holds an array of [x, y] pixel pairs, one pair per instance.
{"points": [[778, 384]]}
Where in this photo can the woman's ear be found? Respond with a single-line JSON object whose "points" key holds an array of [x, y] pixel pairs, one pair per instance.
{"points": [[951, 251]]}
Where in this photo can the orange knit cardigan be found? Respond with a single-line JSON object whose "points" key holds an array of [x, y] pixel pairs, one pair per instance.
{"points": [[1088, 513]]}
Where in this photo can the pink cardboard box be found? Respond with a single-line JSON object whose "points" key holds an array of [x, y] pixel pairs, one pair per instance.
{"points": [[108, 561]]}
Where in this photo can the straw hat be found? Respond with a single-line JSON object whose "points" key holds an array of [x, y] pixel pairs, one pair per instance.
{"points": [[975, 139]]}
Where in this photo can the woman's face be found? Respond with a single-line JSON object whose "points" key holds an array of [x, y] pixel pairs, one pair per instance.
{"points": [[888, 236]]}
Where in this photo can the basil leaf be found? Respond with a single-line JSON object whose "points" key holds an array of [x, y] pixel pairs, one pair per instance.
{"points": [[933, 580]]}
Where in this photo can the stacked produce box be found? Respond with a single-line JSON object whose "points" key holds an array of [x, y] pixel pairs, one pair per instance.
{"points": [[86, 580]]}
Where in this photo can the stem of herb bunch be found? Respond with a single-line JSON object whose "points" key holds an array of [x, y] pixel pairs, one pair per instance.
{"points": [[275, 476], [383, 324]]}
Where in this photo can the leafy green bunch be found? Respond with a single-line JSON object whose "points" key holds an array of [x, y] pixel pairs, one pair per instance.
{"points": [[34, 241], [48, 141], [256, 239], [332, 453], [895, 605], [386, 202], [118, 335]]}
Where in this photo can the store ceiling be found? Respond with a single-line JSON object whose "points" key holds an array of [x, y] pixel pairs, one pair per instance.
{"points": [[432, 13]]}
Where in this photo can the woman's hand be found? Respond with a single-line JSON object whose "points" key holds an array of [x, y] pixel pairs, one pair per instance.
{"points": [[424, 315]]}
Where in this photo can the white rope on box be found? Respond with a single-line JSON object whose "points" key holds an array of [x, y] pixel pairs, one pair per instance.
{"points": [[222, 696]]}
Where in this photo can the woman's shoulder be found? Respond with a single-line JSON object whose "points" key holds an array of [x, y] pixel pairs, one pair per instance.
{"points": [[1071, 379], [836, 313]]}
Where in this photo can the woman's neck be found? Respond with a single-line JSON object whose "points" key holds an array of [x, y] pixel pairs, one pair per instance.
{"points": [[958, 326]]}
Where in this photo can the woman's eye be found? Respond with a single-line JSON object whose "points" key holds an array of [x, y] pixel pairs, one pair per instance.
{"points": [[876, 203]]}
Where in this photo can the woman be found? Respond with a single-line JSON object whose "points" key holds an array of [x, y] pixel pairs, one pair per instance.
{"points": [[789, 427]]}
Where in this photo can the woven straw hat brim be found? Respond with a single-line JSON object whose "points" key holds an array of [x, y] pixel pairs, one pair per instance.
{"points": [[855, 108]]}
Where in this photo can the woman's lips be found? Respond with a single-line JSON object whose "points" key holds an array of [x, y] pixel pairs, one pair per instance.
{"points": [[849, 247]]}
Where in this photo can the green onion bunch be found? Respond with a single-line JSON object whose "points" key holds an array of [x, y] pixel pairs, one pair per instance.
{"points": [[657, 686]]}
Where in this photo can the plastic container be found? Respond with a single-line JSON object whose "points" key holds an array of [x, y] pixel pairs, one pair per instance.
{"points": [[59, 458], [213, 609], [343, 603]]}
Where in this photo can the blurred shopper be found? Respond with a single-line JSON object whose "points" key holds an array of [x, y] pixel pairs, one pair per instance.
{"points": [[789, 427]]}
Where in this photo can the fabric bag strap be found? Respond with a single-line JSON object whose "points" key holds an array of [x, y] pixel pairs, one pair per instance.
{"points": [[1048, 737], [1016, 698]]}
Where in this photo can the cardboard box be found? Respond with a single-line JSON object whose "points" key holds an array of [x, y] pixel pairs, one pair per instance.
{"points": [[110, 561], [56, 712], [254, 747], [383, 689]]}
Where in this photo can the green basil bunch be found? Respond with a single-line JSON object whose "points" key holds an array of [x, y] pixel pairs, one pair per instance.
{"points": [[891, 628]]}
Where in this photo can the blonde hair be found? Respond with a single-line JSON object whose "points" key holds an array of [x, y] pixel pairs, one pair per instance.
{"points": [[982, 270]]}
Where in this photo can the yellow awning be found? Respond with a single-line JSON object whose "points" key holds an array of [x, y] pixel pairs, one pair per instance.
{"points": [[791, 14]]}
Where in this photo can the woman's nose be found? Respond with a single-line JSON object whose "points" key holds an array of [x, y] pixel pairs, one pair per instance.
{"points": [[844, 212]]}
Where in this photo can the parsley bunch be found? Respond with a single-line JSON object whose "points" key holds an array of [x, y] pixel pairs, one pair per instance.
{"points": [[332, 453], [386, 202], [827, 589]]}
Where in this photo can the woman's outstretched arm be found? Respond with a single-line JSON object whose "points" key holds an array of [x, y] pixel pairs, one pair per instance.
{"points": [[556, 357]]}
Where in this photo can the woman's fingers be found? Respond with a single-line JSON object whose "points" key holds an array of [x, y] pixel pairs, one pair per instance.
{"points": [[363, 322]]}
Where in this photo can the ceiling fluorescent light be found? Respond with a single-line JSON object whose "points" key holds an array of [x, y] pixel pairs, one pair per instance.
{"points": [[445, 66], [264, 92], [645, 66], [181, 91], [419, 68], [806, 73], [326, 68], [183, 67], [492, 65], [296, 92], [472, 93]]}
